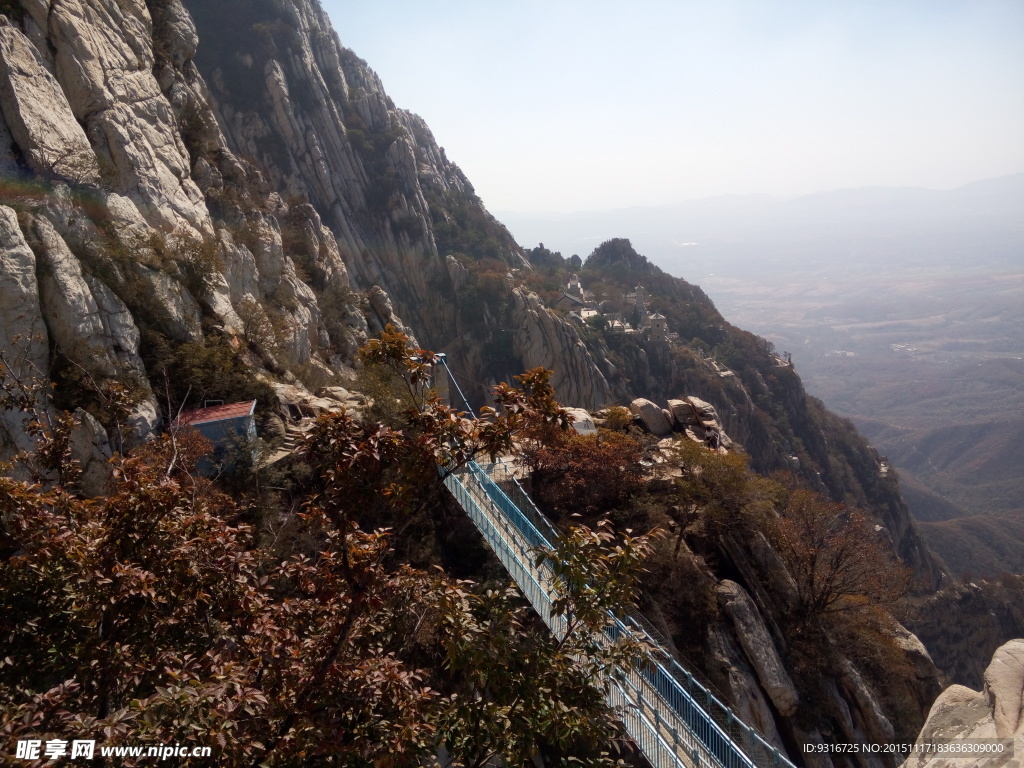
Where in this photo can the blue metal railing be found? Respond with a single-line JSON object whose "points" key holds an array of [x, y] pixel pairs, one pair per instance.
{"points": [[684, 693], [667, 721], [671, 717]]}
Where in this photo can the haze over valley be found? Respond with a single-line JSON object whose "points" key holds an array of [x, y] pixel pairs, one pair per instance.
{"points": [[903, 310], [909, 272]]}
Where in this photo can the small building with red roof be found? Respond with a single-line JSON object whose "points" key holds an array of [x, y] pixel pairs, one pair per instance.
{"points": [[221, 423]]}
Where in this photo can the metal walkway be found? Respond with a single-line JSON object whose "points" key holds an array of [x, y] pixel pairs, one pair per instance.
{"points": [[673, 719]]}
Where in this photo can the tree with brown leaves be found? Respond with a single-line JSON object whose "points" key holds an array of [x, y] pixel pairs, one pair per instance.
{"points": [[153, 615]]}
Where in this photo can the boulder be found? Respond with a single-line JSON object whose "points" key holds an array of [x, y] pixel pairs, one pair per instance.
{"points": [[299, 401], [583, 422], [997, 712], [758, 646], [1004, 688], [652, 416]]}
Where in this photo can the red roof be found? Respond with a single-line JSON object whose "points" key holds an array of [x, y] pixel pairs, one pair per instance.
{"points": [[216, 413]]}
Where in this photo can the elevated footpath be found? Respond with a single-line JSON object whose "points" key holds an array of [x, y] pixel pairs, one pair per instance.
{"points": [[673, 719]]}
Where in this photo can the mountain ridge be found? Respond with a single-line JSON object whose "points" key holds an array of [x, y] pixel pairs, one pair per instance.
{"points": [[254, 216]]}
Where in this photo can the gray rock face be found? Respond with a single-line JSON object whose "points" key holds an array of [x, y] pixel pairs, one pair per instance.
{"points": [[24, 340], [739, 682], [179, 31], [868, 717], [850, 727], [758, 646], [68, 304], [926, 683], [130, 81], [92, 327], [181, 317], [542, 339], [298, 130], [38, 115], [90, 447], [997, 712], [652, 416], [103, 60]]}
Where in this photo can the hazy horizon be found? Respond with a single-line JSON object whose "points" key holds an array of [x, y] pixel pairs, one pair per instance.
{"points": [[728, 196], [577, 106]]}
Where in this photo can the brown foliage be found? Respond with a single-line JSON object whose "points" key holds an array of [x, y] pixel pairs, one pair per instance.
{"points": [[837, 559], [152, 616], [587, 474]]}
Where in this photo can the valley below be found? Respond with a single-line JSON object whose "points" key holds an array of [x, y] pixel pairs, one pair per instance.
{"points": [[927, 363]]}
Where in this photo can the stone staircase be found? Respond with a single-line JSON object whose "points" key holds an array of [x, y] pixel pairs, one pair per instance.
{"points": [[294, 432]]}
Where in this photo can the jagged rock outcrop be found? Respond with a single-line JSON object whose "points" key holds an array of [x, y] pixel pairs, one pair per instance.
{"points": [[758, 646], [37, 115], [960, 715], [545, 340]]}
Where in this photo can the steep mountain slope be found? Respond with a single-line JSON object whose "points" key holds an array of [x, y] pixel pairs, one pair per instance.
{"points": [[759, 396], [181, 220], [320, 124], [979, 545]]}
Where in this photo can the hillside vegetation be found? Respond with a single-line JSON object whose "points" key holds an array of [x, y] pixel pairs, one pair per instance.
{"points": [[303, 614], [254, 219]]}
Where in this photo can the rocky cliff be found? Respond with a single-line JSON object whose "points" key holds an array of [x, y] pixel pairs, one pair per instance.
{"points": [[182, 221], [990, 721], [963, 624]]}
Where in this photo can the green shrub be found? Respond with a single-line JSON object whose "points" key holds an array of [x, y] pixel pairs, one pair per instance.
{"points": [[211, 369]]}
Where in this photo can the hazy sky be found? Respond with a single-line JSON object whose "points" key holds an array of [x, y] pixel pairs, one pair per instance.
{"points": [[561, 105]]}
